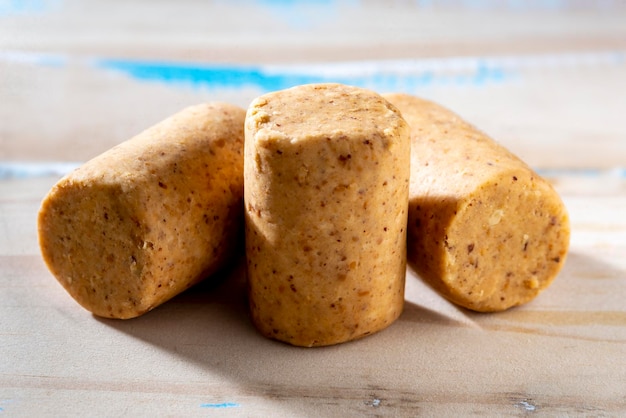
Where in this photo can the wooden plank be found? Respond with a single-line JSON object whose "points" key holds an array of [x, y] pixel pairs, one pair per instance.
{"points": [[545, 113], [547, 79], [199, 353]]}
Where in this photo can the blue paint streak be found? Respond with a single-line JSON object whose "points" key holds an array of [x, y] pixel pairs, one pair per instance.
{"points": [[43, 59], [220, 405], [22, 7], [238, 77], [217, 76], [2, 408], [27, 170]]}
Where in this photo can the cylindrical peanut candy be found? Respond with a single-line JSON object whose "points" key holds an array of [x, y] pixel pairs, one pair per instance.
{"points": [[484, 229], [326, 172], [152, 216]]}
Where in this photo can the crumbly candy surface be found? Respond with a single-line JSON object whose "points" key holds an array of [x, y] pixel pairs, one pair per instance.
{"points": [[326, 186], [484, 229], [154, 215]]}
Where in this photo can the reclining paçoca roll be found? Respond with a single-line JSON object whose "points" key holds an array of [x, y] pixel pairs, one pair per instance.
{"points": [[152, 216], [484, 229]]}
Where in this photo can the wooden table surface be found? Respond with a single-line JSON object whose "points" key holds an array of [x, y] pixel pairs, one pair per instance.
{"points": [[547, 79]]}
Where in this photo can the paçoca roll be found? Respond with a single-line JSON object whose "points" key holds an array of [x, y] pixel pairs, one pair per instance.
{"points": [[326, 177], [152, 216], [484, 229]]}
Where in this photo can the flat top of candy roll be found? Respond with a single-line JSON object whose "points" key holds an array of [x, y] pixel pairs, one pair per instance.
{"points": [[321, 111]]}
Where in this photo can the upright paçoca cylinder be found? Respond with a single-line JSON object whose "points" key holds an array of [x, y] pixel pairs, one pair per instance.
{"points": [[326, 177]]}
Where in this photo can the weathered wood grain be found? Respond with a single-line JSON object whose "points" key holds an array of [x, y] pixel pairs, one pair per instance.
{"points": [[555, 96], [561, 354]]}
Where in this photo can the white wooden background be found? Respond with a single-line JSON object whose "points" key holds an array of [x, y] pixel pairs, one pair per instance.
{"points": [[546, 78]]}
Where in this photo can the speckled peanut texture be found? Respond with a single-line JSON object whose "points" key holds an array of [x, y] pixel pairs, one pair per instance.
{"points": [[149, 218], [484, 229], [326, 177]]}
